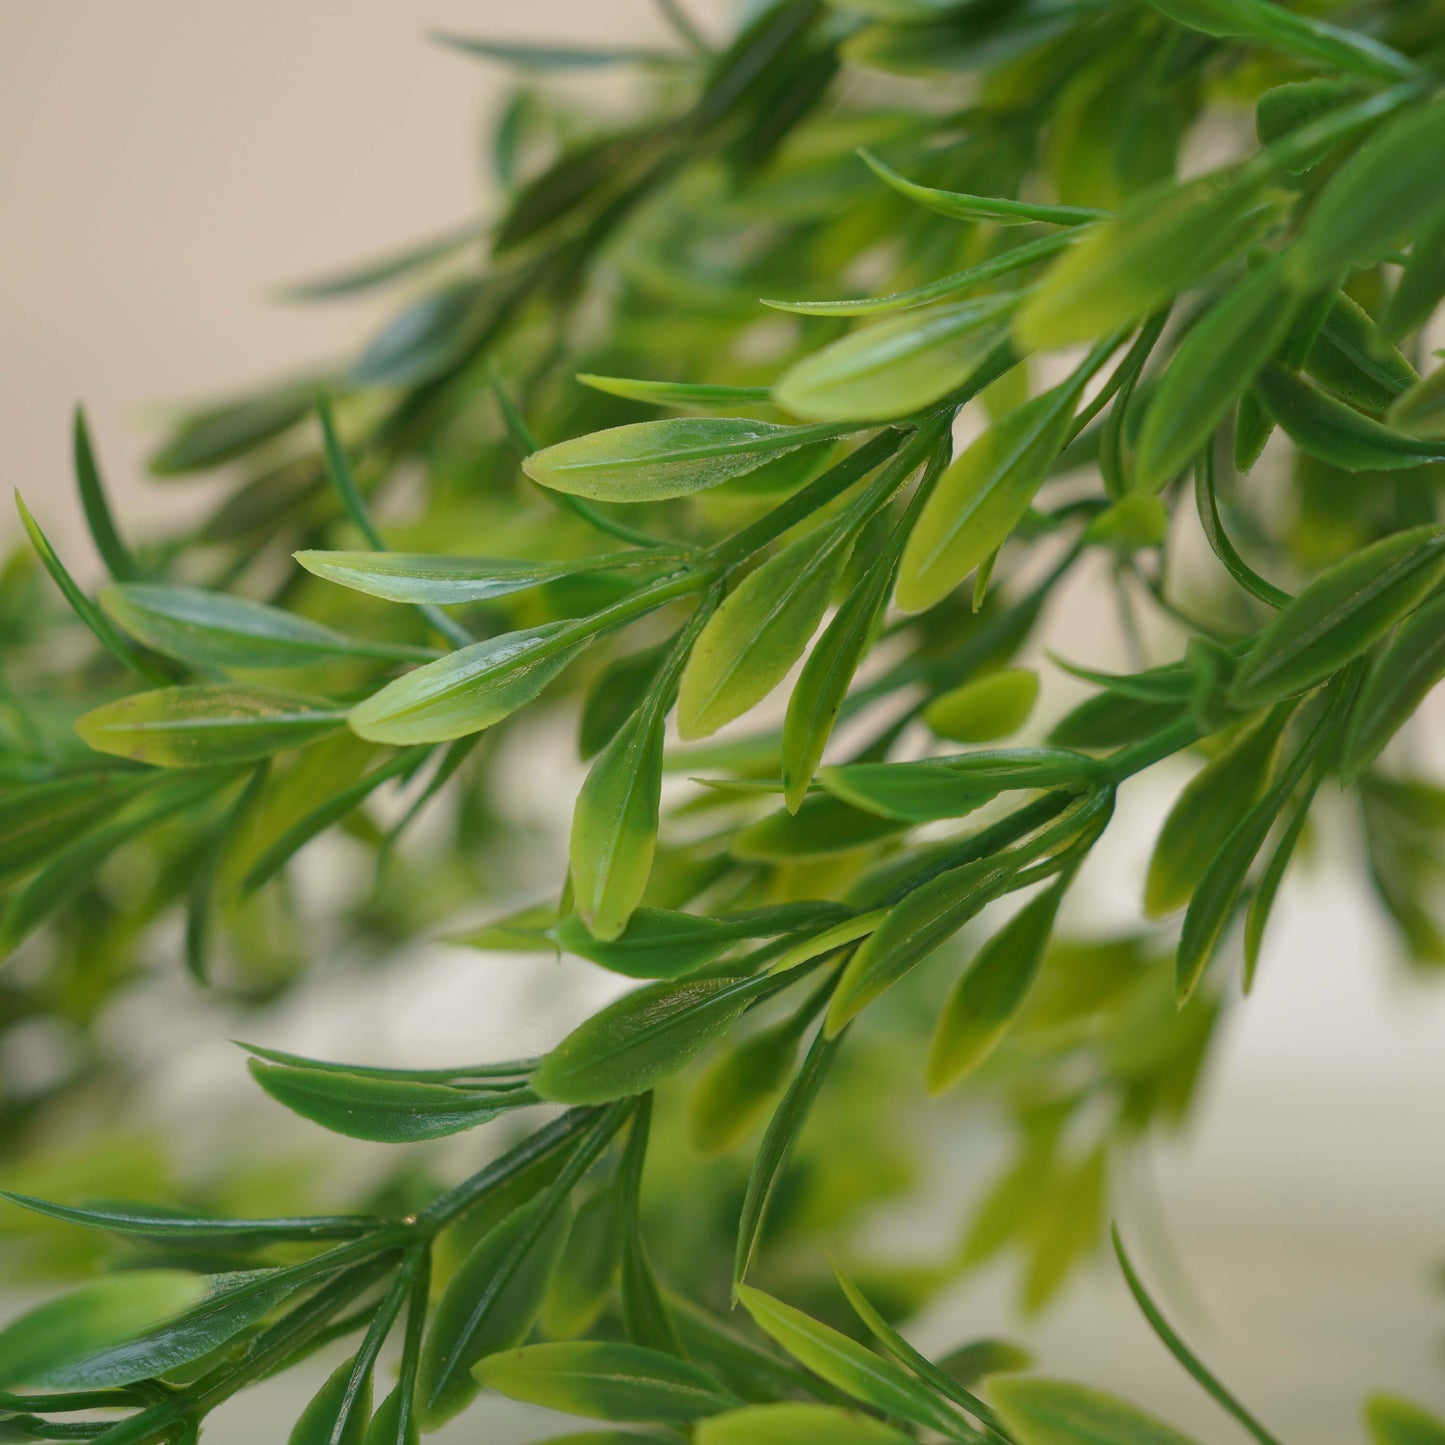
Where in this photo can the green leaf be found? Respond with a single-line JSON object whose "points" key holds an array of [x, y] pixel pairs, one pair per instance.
{"points": [[849, 1366], [732, 1095], [1394, 1421], [421, 577], [642, 1038], [1285, 109], [821, 827], [789, 1424], [552, 57], [1421, 410], [980, 208], [213, 629], [39, 819], [367, 275], [587, 1270], [386, 1111], [1377, 199], [983, 1004], [1210, 371], [470, 1322], [337, 1415], [469, 689], [106, 1312], [661, 943], [1206, 812], [219, 434], [983, 496], [1298, 35], [1334, 432], [985, 709], [1422, 286], [1168, 240], [206, 725], [677, 393], [1053, 1412], [1339, 615], [607, 1382], [752, 641], [898, 366], [1353, 359], [427, 338], [1396, 685], [153, 1223], [651, 461], [113, 552], [1112, 720]]}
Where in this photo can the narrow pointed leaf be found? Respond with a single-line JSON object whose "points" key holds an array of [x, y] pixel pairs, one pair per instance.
{"points": [[1052, 1412], [1420, 412], [733, 1094], [336, 1415], [114, 553], [981, 208], [677, 393], [208, 438]]}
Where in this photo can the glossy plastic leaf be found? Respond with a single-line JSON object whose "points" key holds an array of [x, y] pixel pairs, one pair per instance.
{"points": [[651, 461], [678, 393], [981, 208], [1396, 685], [1205, 813], [790, 1424], [990, 707], [983, 496], [1344, 611], [983, 1004], [213, 629], [1337, 433], [206, 725], [337, 1414], [849, 1366], [469, 689], [1211, 370], [1053, 1412], [1386, 190], [762, 628], [386, 1111], [106, 1312], [895, 367], [1394, 1421], [469, 1323], [422, 577], [1166, 241], [639, 1040], [606, 1381]]}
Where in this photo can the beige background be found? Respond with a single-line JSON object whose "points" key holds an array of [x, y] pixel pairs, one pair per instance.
{"points": [[162, 164]]}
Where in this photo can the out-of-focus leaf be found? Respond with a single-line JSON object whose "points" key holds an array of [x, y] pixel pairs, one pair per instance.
{"points": [[1054, 1412], [37, 819], [1423, 283], [677, 393], [1287, 108], [587, 1269], [986, 709], [429, 336], [1421, 410], [552, 57], [106, 1312], [897, 366], [1354, 360], [789, 1424], [386, 1111], [469, 689], [114, 553], [981, 208], [733, 1093], [208, 438], [470, 1322], [821, 827], [1394, 1421], [651, 461], [206, 725], [606, 1381], [988, 997], [370, 274], [1339, 615]]}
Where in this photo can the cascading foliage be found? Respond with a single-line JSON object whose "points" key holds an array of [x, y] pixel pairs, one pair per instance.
{"points": [[1054, 289]]}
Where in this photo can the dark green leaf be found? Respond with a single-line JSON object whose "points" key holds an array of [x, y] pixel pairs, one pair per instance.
{"points": [[219, 434], [427, 338], [113, 552], [38, 819], [1423, 283], [981, 208], [1421, 410]]}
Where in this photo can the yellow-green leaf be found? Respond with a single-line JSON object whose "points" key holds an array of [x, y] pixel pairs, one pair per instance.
{"points": [[985, 709]]}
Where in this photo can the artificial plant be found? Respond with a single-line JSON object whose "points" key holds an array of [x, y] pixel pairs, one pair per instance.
{"points": [[1131, 275]]}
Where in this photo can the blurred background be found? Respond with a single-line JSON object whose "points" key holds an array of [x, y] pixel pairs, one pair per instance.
{"points": [[163, 166]]}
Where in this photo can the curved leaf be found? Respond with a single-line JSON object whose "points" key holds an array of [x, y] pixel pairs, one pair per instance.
{"points": [[985, 709], [1053, 1412]]}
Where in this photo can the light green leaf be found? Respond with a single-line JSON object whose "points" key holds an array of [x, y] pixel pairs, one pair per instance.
{"points": [[983, 1004], [421, 577], [469, 689], [1206, 812], [981, 208], [106, 1312], [822, 826], [849, 1366], [1053, 1412], [1211, 370], [796, 1425], [213, 629], [898, 366], [1339, 615], [386, 1111], [606, 1381], [639, 1040], [651, 461], [987, 708], [1394, 1421], [206, 725], [1166, 241], [470, 1321]]}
